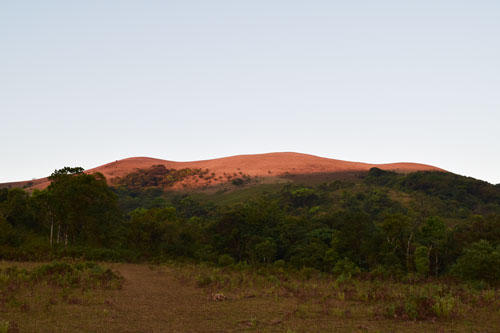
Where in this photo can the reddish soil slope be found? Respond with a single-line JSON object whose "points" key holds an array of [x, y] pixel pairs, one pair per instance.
{"points": [[258, 165]]}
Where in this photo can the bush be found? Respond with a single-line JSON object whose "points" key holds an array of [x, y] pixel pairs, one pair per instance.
{"points": [[280, 263], [411, 307], [306, 273], [225, 260], [4, 326], [238, 182], [446, 306], [203, 281], [346, 269]]}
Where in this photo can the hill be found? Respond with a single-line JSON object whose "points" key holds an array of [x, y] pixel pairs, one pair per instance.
{"points": [[142, 171]]}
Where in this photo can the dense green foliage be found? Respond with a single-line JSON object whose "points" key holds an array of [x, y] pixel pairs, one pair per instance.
{"points": [[423, 223]]}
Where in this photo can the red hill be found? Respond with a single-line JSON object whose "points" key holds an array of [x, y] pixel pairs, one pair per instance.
{"points": [[220, 170]]}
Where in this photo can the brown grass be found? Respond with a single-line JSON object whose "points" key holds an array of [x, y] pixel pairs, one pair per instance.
{"points": [[167, 299]]}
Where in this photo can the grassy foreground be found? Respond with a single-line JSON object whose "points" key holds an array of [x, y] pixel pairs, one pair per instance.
{"points": [[84, 297]]}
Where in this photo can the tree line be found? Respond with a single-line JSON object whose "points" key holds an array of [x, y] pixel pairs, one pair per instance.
{"points": [[424, 223]]}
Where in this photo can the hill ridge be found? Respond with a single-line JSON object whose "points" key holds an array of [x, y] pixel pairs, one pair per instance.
{"points": [[224, 169]]}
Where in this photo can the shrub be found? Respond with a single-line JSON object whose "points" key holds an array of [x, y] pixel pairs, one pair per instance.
{"points": [[411, 307], [280, 263], [307, 273], [346, 269], [446, 306], [203, 281], [4, 326], [225, 260], [237, 182]]}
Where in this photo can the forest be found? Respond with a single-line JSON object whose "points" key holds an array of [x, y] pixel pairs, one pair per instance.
{"points": [[385, 224]]}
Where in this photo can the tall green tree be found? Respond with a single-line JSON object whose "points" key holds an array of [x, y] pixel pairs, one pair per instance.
{"points": [[17, 210], [83, 206], [435, 235]]}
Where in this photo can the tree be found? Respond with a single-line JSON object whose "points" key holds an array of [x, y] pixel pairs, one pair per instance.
{"points": [[480, 261], [16, 209], [395, 227], [8, 235], [304, 197], [45, 213], [434, 232], [422, 260], [309, 253], [83, 206], [265, 251]]}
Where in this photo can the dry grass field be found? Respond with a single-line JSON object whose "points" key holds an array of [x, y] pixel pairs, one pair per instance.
{"points": [[173, 298]]}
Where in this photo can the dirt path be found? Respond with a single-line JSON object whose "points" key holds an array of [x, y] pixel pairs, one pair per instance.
{"points": [[154, 300]]}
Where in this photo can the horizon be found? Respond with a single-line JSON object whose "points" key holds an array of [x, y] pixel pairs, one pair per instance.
{"points": [[239, 155], [85, 84]]}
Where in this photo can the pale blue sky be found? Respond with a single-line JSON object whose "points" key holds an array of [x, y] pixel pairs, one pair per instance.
{"points": [[83, 83]]}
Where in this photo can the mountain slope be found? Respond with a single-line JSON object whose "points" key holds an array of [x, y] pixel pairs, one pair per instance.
{"points": [[225, 169]]}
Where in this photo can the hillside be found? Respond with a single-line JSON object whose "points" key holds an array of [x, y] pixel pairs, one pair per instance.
{"points": [[223, 170]]}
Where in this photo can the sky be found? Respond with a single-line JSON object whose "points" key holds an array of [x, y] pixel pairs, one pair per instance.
{"points": [[84, 83]]}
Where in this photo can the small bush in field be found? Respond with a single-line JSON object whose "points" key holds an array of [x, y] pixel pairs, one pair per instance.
{"points": [[307, 273], [203, 281], [488, 295], [345, 269], [411, 307], [391, 310], [4, 326], [446, 306], [225, 260], [280, 263]]}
